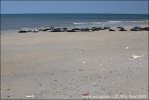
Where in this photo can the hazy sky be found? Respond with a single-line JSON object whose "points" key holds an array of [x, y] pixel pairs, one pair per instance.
{"points": [[129, 7]]}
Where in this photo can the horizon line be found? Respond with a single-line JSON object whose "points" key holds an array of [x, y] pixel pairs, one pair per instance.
{"points": [[77, 13]]}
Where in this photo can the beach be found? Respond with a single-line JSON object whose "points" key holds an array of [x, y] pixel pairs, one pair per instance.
{"points": [[74, 65]]}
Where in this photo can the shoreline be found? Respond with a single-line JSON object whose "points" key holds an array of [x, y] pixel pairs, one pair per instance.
{"points": [[128, 28]]}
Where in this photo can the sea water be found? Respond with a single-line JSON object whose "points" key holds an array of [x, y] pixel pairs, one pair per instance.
{"points": [[17, 21]]}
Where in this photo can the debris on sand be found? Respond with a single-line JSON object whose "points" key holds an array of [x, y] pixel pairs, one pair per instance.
{"points": [[83, 62], [30, 96], [127, 48], [6, 89], [136, 56], [8, 96], [86, 94]]}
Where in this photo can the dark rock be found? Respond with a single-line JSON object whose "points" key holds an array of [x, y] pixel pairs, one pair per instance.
{"points": [[122, 29], [76, 30], [63, 29], [136, 29], [46, 29], [85, 29], [119, 27], [23, 30], [106, 28], [146, 28], [111, 30], [72, 30], [57, 30], [95, 29]]}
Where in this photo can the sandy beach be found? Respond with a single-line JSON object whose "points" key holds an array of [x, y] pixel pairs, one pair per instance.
{"points": [[74, 65]]}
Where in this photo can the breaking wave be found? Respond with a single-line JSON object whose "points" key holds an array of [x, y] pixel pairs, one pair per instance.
{"points": [[128, 21], [78, 23]]}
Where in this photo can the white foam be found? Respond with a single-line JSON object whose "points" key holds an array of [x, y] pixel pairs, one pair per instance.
{"points": [[114, 21], [128, 21], [78, 23]]}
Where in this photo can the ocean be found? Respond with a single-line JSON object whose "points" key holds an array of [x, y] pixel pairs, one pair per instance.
{"points": [[17, 21]]}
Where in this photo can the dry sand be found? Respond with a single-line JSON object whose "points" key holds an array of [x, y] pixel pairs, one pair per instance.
{"points": [[62, 65]]}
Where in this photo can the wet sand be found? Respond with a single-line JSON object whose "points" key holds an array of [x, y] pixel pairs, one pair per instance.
{"points": [[67, 65]]}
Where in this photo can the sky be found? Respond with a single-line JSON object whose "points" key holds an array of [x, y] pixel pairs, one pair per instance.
{"points": [[120, 7]]}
